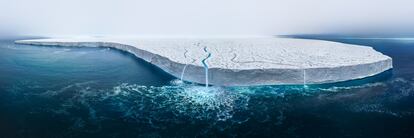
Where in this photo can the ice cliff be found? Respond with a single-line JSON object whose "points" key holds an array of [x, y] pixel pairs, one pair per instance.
{"points": [[245, 61]]}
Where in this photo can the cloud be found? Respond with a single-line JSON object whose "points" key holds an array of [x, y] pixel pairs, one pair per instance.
{"points": [[202, 17]]}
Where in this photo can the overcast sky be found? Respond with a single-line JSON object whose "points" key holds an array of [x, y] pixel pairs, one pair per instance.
{"points": [[203, 17]]}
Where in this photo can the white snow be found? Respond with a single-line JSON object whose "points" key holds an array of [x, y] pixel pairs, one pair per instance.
{"points": [[246, 61]]}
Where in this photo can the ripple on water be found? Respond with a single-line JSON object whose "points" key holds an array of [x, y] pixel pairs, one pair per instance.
{"points": [[149, 105], [180, 99], [219, 107]]}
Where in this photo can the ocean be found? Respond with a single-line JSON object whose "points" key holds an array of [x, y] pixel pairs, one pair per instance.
{"points": [[103, 92]]}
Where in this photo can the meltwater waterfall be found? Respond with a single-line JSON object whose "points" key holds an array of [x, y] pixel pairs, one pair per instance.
{"points": [[185, 66], [205, 64], [304, 79]]}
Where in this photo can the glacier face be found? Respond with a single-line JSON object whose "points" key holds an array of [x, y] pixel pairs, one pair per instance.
{"points": [[245, 61]]}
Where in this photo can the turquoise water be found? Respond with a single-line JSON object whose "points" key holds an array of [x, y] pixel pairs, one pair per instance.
{"points": [[102, 92]]}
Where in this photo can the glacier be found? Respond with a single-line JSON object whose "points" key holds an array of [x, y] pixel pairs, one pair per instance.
{"points": [[244, 61]]}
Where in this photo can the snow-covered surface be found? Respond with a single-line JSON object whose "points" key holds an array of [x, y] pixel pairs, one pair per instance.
{"points": [[246, 61]]}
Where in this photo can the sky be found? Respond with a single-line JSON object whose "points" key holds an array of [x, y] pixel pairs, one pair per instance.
{"points": [[204, 17]]}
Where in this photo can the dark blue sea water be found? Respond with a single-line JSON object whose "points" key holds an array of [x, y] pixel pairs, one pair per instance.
{"points": [[101, 92]]}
